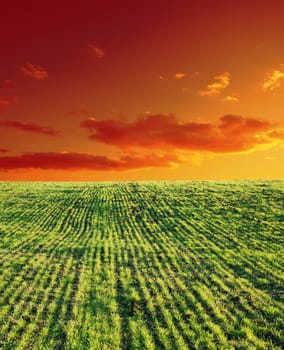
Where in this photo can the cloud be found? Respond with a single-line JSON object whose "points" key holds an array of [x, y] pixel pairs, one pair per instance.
{"points": [[231, 134], [186, 90], [82, 111], [273, 79], [6, 101], [33, 71], [180, 75], [29, 127], [231, 98], [83, 161], [222, 81], [277, 134], [4, 150], [96, 51]]}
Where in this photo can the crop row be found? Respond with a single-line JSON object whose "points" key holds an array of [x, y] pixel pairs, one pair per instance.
{"points": [[141, 265]]}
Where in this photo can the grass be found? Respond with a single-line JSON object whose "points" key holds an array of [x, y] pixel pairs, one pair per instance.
{"points": [[158, 265]]}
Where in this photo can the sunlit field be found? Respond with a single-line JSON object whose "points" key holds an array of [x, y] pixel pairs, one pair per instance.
{"points": [[142, 265]]}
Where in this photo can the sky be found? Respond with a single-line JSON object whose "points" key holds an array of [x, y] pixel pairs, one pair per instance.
{"points": [[141, 90]]}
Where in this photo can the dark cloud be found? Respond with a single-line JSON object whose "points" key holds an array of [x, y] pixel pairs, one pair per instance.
{"points": [[29, 127], [96, 51], [6, 101], [33, 71], [80, 112], [231, 134], [83, 161]]}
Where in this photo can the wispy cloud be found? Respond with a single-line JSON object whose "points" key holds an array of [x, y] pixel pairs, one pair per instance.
{"points": [[97, 51], [273, 79], [33, 71], [4, 150], [6, 101], [80, 112], [180, 75], [221, 82], [186, 90], [29, 127], [231, 98], [157, 132], [84, 161]]}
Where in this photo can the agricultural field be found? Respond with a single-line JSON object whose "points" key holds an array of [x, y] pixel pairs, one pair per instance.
{"points": [[142, 265]]}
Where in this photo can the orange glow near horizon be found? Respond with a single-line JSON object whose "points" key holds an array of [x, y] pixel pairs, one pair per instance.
{"points": [[141, 90]]}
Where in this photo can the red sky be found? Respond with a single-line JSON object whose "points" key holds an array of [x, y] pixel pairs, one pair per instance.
{"points": [[123, 90]]}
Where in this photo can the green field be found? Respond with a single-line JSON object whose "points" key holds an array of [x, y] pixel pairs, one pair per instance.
{"points": [[142, 265]]}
